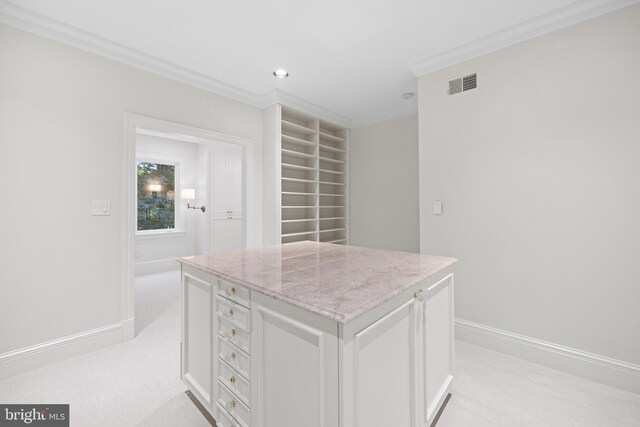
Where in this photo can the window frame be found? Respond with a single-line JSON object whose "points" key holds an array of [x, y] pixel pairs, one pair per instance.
{"points": [[178, 220]]}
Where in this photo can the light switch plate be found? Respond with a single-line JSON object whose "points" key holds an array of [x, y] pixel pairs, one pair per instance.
{"points": [[101, 208], [437, 207]]}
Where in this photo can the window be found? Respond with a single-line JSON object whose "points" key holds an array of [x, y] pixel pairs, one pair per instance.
{"points": [[156, 196]]}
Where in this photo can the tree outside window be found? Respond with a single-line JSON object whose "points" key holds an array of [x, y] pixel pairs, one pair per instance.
{"points": [[156, 196]]}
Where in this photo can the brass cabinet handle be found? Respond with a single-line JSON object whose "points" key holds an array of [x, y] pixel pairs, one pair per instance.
{"points": [[230, 312], [232, 380], [233, 332], [233, 355], [233, 404], [233, 290]]}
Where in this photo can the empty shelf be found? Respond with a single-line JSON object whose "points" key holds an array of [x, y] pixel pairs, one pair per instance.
{"points": [[294, 127], [298, 154]]}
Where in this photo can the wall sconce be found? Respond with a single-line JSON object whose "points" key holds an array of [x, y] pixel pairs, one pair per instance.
{"points": [[190, 194]]}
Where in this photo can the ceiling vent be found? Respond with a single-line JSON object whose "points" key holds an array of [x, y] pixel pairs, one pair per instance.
{"points": [[463, 84]]}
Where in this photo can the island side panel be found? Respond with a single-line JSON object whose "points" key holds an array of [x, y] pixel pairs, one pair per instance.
{"points": [[436, 330], [391, 358], [198, 340], [294, 366]]}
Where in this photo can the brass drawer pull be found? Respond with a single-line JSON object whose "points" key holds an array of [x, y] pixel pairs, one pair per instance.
{"points": [[230, 312], [232, 380], [233, 404], [233, 355], [233, 332]]}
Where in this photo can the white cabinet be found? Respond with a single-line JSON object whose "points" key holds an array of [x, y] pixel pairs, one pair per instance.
{"points": [[227, 198], [227, 233], [254, 361], [306, 178]]}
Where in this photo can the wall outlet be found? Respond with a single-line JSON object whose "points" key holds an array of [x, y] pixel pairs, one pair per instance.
{"points": [[101, 208]]}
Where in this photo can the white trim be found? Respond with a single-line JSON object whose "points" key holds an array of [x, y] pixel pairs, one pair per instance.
{"points": [[157, 266], [279, 97], [535, 27], [27, 358], [600, 368], [387, 115], [27, 20], [159, 234]]}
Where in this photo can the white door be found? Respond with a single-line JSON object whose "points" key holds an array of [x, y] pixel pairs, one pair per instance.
{"points": [[219, 239], [219, 180], [235, 230], [235, 174]]}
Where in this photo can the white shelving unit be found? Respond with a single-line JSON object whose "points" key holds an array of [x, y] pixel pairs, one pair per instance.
{"points": [[307, 170]]}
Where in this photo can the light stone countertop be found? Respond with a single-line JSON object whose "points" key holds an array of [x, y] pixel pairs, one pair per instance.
{"points": [[335, 281]]}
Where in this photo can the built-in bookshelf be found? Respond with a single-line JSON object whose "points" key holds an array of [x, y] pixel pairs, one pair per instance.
{"points": [[312, 175]]}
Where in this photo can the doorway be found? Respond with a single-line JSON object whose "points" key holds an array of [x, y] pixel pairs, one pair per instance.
{"points": [[164, 161]]}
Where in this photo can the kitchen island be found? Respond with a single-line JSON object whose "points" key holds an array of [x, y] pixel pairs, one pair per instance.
{"points": [[316, 334]]}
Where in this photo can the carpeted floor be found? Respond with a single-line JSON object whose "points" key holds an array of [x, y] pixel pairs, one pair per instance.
{"points": [[137, 382]]}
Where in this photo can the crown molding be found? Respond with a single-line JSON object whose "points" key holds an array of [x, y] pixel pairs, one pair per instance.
{"points": [[41, 25], [386, 115], [280, 97], [569, 15]]}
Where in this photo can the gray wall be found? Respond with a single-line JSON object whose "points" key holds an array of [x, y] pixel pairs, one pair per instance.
{"points": [[384, 185], [539, 172]]}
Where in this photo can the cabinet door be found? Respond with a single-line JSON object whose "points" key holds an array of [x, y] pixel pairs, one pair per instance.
{"points": [[219, 234], [219, 180], [436, 346], [235, 182], [235, 232], [385, 376], [199, 328]]}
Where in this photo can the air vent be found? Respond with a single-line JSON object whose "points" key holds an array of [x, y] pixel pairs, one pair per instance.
{"points": [[469, 82], [455, 86], [463, 84]]}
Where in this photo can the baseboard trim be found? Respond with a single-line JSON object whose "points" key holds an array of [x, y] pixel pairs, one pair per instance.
{"points": [[157, 266], [27, 358], [596, 367]]}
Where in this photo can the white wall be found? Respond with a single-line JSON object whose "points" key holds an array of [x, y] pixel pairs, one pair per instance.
{"points": [[183, 242], [384, 185], [61, 142], [538, 169]]}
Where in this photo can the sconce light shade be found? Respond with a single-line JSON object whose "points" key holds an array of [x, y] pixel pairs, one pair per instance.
{"points": [[188, 194], [155, 187]]}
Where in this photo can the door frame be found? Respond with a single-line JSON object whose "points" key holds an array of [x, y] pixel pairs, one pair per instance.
{"points": [[132, 124]]}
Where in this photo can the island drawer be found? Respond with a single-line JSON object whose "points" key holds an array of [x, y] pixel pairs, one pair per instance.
{"points": [[234, 382], [234, 313], [235, 335], [238, 410], [223, 419], [237, 359], [235, 293]]}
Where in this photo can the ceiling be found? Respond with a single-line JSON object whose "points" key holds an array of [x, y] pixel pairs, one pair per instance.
{"points": [[350, 57]]}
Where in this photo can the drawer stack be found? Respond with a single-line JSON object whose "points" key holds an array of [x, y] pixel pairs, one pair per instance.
{"points": [[234, 356]]}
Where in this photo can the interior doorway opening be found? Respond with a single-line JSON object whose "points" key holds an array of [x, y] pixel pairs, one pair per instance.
{"points": [[171, 172]]}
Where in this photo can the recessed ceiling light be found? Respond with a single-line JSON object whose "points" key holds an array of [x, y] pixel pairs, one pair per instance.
{"points": [[408, 95], [280, 73]]}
